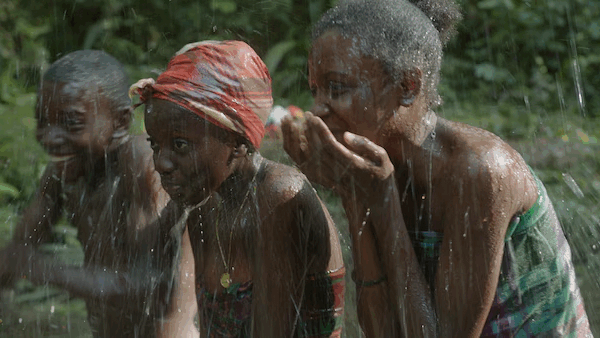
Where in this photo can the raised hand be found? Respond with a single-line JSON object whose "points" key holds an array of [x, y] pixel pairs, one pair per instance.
{"points": [[357, 165]]}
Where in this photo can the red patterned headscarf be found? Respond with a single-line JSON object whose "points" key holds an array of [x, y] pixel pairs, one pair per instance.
{"points": [[224, 82]]}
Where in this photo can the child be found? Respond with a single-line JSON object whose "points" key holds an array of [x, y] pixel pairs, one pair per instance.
{"points": [[267, 258], [453, 235], [104, 181]]}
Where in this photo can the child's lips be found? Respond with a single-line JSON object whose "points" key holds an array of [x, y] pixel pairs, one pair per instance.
{"points": [[171, 187], [61, 158]]}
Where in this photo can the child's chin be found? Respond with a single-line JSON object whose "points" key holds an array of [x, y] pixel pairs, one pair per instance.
{"points": [[190, 201], [68, 170]]}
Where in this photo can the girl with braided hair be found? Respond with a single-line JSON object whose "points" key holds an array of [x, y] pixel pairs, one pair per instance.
{"points": [[453, 233]]}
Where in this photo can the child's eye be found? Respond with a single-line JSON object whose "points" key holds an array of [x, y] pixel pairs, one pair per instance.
{"points": [[153, 144], [73, 124], [337, 89], [73, 121], [180, 144]]}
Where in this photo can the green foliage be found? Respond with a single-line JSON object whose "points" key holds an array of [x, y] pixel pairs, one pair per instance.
{"points": [[22, 54], [545, 52], [20, 156], [145, 34]]}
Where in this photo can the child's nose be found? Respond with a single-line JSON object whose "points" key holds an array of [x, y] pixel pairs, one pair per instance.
{"points": [[163, 163], [51, 137], [320, 110]]}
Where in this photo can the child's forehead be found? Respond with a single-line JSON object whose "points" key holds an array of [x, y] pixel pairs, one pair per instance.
{"points": [[174, 116], [72, 97], [70, 92]]}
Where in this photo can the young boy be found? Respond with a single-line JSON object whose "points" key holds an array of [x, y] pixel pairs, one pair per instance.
{"points": [[267, 259], [103, 179]]}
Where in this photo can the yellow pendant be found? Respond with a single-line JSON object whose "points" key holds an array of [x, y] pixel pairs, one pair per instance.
{"points": [[225, 280]]}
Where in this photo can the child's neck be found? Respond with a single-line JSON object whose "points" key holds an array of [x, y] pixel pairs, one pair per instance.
{"points": [[109, 164], [237, 186]]}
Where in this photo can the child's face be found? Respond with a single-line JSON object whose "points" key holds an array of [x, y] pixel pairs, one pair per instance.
{"points": [[74, 125], [351, 92], [191, 160]]}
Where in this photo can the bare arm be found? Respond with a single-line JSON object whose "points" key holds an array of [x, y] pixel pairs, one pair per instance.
{"points": [[409, 292], [373, 297], [362, 174], [178, 320], [294, 242], [38, 218], [382, 249], [34, 228], [471, 253], [149, 274]]}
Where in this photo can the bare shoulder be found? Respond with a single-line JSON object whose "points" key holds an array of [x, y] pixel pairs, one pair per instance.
{"points": [[294, 215], [281, 184], [285, 194], [482, 158]]}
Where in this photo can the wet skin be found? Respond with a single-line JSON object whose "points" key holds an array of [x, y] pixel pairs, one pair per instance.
{"points": [[105, 183], [405, 171], [271, 227]]}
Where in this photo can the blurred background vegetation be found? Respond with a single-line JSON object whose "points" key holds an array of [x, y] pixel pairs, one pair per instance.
{"points": [[527, 70]]}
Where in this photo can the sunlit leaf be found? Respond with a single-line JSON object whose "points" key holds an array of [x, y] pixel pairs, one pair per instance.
{"points": [[37, 295], [7, 189], [224, 6], [276, 54]]}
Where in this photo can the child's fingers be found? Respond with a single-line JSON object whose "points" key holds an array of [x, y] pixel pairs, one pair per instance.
{"points": [[292, 140], [365, 148], [333, 150]]}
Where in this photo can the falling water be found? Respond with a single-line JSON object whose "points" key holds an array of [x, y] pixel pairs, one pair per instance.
{"points": [[548, 115]]}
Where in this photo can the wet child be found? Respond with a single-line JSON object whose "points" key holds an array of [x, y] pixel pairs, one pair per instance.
{"points": [[267, 257], [453, 234], [103, 180]]}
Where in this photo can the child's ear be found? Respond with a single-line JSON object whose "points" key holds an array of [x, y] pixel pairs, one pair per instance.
{"points": [[122, 119], [409, 87], [240, 150]]}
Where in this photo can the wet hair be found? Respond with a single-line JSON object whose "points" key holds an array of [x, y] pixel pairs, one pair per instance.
{"points": [[96, 68], [400, 34]]}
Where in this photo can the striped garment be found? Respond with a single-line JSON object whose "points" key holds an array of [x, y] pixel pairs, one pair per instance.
{"points": [[537, 294], [229, 313]]}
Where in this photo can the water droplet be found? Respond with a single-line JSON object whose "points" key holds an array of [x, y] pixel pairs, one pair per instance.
{"points": [[572, 185]]}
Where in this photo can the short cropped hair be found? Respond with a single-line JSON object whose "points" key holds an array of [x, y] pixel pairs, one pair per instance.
{"points": [[398, 33], [97, 68]]}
